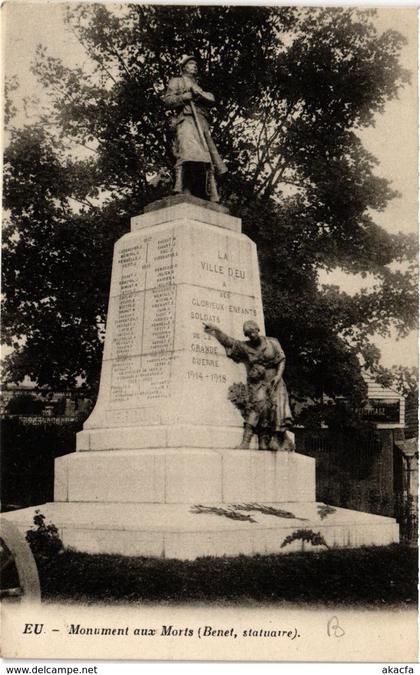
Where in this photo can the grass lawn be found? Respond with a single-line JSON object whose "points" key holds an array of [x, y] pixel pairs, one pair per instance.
{"points": [[376, 576]]}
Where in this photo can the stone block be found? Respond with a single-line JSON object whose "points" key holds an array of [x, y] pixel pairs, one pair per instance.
{"points": [[127, 438], [185, 475], [194, 211], [175, 436], [267, 476], [184, 435], [137, 477], [192, 476], [61, 479], [177, 199]]}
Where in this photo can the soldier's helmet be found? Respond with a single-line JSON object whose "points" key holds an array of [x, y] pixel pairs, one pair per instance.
{"points": [[184, 59]]}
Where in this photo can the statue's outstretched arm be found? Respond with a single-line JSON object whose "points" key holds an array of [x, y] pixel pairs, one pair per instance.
{"points": [[220, 336]]}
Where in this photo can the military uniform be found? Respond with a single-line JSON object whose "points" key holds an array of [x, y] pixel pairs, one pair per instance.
{"points": [[188, 146]]}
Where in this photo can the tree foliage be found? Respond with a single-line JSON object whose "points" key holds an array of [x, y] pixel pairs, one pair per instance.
{"points": [[294, 88], [402, 379]]}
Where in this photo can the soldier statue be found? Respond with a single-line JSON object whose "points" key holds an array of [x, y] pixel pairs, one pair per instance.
{"points": [[269, 412], [197, 158]]}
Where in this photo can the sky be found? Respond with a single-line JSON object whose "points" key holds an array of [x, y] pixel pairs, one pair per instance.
{"points": [[393, 139]]}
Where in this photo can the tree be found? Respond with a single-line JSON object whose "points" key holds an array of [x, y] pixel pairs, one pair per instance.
{"points": [[299, 177], [402, 379]]}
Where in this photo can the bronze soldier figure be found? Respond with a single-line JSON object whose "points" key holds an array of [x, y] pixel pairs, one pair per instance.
{"points": [[197, 158], [270, 415]]}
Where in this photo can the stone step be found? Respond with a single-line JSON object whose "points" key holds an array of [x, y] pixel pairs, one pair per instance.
{"points": [[184, 476], [210, 529]]}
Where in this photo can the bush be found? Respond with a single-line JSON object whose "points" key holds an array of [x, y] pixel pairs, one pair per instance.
{"points": [[44, 539]]}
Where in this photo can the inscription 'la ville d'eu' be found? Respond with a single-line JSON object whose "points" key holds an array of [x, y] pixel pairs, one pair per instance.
{"points": [[218, 268]]}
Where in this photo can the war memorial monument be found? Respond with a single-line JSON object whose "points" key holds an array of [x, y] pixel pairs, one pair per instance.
{"points": [[166, 465]]}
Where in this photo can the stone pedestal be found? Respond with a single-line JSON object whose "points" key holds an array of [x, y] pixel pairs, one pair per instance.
{"points": [[164, 381], [156, 472]]}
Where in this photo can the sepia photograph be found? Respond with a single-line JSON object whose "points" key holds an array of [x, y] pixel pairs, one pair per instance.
{"points": [[209, 402]]}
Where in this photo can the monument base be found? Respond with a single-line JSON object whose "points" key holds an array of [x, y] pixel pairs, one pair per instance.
{"points": [[185, 503], [156, 473], [189, 531]]}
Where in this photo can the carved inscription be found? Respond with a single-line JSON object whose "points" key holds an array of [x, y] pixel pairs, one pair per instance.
{"points": [[144, 327], [125, 379], [164, 260], [146, 311], [125, 326], [223, 267], [159, 332], [224, 308]]}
